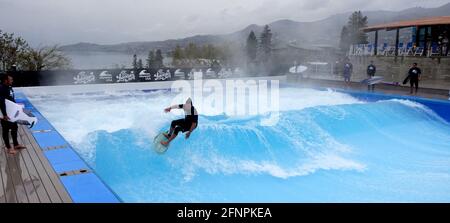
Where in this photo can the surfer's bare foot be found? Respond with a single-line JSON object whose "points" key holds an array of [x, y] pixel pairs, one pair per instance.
{"points": [[19, 147], [166, 135], [164, 143], [12, 151]]}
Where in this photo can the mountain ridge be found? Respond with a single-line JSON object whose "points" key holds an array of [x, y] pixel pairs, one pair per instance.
{"points": [[321, 32]]}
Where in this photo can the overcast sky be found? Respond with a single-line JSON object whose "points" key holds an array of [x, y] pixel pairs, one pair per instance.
{"points": [[115, 21]]}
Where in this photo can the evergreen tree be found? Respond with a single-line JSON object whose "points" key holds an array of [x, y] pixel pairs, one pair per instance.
{"points": [[265, 43], [191, 51], [177, 55], [356, 22], [203, 52], [210, 52], [135, 64], [252, 46], [139, 64], [159, 59], [224, 54], [151, 59], [353, 29]]}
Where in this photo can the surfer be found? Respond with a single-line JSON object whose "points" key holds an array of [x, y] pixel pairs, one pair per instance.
{"points": [[187, 124], [7, 92], [371, 70]]}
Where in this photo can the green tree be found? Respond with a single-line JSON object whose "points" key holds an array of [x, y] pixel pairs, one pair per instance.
{"points": [[139, 64], [47, 58], [252, 46], [15, 51], [151, 59], [203, 52], [207, 52], [225, 54], [177, 55], [354, 29], [211, 52], [159, 59], [135, 64], [191, 51], [265, 43], [12, 50]]}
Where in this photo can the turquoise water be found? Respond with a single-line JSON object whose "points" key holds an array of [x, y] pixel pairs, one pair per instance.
{"points": [[326, 147]]}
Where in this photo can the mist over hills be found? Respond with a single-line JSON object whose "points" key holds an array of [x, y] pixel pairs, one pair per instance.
{"points": [[304, 34]]}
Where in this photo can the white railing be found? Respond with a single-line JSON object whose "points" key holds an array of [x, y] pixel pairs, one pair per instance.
{"points": [[389, 50]]}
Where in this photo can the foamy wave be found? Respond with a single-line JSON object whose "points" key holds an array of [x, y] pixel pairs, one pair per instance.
{"points": [[77, 115], [409, 103], [298, 99], [420, 106], [219, 165]]}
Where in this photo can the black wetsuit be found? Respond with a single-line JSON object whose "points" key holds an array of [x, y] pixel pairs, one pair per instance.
{"points": [[414, 74], [185, 123], [371, 69], [6, 92]]}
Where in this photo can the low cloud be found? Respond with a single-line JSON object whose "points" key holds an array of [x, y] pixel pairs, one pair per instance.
{"points": [[115, 21]]}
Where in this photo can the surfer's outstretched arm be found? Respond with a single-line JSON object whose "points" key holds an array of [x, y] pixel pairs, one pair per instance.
{"points": [[173, 107]]}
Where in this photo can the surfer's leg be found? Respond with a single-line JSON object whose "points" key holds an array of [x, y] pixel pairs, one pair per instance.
{"points": [[169, 139], [411, 82], [16, 144], [172, 136], [174, 123], [172, 127], [5, 133], [417, 85], [414, 85], [14, 134]]}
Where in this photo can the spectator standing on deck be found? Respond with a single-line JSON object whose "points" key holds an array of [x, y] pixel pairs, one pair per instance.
{"points": [[445, 44], [7, 93], [371, 70], [414, 77], [347, 71]]}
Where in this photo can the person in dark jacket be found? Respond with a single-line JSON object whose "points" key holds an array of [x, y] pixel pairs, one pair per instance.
{"points": [[7, 92], [371, 70], [414, 77]]}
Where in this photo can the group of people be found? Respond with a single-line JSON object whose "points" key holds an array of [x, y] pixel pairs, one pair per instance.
{"points": [[413, 75]]}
